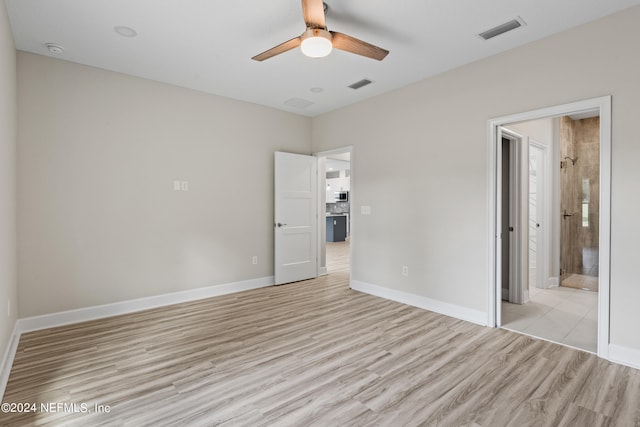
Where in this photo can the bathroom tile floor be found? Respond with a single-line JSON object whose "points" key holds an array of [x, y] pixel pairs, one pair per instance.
{"points": [[562, 315]]}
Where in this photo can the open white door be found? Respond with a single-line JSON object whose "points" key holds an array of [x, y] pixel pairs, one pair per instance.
{"points": [[538, 248], [514, 260], [295, 217]]}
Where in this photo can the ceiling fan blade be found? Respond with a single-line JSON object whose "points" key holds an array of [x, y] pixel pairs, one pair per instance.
{"points": [[281, 48], [353, 45], [313, 12]]}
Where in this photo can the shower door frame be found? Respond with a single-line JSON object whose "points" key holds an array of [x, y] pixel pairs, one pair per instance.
{"points": [[603, 105]]}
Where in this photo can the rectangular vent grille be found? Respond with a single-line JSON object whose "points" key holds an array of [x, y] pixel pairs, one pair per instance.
{"points": [[298, 103], [359, 84], [501, 29]]}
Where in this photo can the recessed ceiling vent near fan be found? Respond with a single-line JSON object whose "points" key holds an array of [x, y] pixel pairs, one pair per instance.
{"points": [[502, 28], [361, 83], [298, 103]]}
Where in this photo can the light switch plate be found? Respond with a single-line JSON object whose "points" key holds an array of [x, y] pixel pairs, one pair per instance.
{"points": [[176, 185]]}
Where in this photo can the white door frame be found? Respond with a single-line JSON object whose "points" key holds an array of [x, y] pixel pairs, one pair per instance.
{"points": [[603, 105], [322, 244]]}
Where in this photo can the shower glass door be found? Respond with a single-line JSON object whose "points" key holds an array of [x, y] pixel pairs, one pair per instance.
{"points": [[579, 202]]}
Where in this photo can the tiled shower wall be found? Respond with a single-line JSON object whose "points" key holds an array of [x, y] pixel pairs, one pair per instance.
{"points": [[579, 189]]}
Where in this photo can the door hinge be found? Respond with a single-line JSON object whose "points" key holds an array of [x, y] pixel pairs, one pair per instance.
{"points": [[510, 228]]}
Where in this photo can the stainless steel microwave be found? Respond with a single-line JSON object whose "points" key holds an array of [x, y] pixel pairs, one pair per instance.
{"points": [[342, 196]]}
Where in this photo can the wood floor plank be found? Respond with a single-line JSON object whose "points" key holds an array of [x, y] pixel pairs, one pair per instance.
{"points": [[312, 353]]}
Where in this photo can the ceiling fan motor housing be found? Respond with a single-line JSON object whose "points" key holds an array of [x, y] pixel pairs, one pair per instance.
{"points": [[316, 42]]}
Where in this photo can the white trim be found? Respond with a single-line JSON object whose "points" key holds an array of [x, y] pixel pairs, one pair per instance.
{"points": [[321, 252], [604, 244], [7, 360], [603, 104], [45, 321], [452, 310], [494, 254], [624, 355]]}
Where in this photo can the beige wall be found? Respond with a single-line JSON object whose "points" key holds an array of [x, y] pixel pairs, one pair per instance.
{"points": [[99, 221], [420, 162], [8, 290]]}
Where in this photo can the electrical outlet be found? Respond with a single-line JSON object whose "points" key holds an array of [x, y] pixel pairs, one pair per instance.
{"points": [[254, 260], [184, 185], [405, 270], [365, 210]]}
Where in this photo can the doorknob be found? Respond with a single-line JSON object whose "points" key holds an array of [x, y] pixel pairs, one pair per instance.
{"points": [[280, 224]]}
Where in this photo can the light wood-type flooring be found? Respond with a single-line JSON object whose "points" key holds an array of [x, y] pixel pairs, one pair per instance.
{"points": [[338, 257], [312, 353]]}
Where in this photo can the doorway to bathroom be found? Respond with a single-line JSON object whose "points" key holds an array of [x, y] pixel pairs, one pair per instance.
{"points": [[561, 214]]}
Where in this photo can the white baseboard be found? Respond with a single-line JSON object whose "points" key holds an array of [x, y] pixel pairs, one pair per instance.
{"points": [[7, 360], [323, 271], [46, 321], [624, 355], [459, 312]]}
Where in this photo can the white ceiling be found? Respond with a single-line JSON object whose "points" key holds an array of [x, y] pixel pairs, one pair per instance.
{"points": [[207, 45]]}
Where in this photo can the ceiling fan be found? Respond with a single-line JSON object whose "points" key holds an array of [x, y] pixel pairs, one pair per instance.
{"points": [[317, 41]]}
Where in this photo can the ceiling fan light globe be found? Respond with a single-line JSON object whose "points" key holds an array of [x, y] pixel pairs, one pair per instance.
{"points": [[316, 43]]}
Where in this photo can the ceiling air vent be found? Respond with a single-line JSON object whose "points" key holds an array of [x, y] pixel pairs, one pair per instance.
{"points": [[361, 83], [298, 103], [502, 28]]}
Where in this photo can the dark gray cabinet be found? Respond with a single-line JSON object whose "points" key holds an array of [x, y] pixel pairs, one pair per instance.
{"points": [[336, 228]]}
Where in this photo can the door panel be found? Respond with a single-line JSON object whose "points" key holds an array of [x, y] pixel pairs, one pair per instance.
{"points": [[514, 230], [506, 219], [295, 228], [537, 220]]}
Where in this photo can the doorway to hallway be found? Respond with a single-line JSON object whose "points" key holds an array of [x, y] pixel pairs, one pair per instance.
{"points": [[335, 211]]}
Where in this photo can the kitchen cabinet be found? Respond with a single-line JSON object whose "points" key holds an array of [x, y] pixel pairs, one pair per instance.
{"points": [[336, 228]]}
